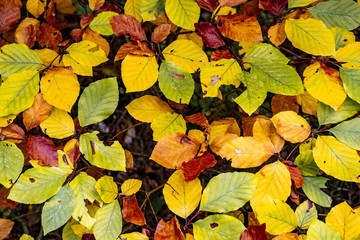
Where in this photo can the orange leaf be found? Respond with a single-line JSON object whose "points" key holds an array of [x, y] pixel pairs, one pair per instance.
{"points": [[251, 8], [95, 4], [247, 124], [5, 227], [98, 39], [295, 173], [168, 230], [49, 36], [42, 149], [281, 103], [76, 34], [287, 236], [9, 14], [220, 141], [209, 34], [13, 133], [294, 195], [198, 119], [123, 24], [86, 19], [221, 54], [26, 32], [226, 125], [4, 202], [134, 48], [277, 34], [264, 130], [161, 32], [208, 5], [254, 233], [195, 166], [174, 149], [72, 149], [230, 3], [38, 112], [131, 211]]}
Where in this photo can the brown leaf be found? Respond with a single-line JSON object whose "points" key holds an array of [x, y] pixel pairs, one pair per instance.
{"points": [[247, 124], [37, 113], [281, 103], [98, 39], [221, 54], [209, 34], [168, 230], [254, 233], [4, 202], [251, 8], [5, 227], [13, 133], [240, 27], [277, 34], [95, 4], [198, 119], [195, 166], [129, 159], [95, 172], [66, 6], [42, 149], [161, 32], [76, 34], [72, 149], [9, 14], [134, 48], [273, 6], [176, 105], [86, 19], [123, 24], [294, 195], [49, 36], [295, 173], [208, 5], [109, 7], [50, 15], [230, 3], [174, 149], [131, 211], [26, 32]]}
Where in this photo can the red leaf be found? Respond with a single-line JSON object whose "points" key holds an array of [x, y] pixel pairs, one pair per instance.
{"points": [[4, 202], [273, 6], [76, 34], [295, 173], [208, 5], [221, 54], [198, 119], [123, 24], [49, 36], [230, 3], [72, 149], [168, 230], [86, 19], [109, 7], [209, 34], [194, 167], [134, 48], [42, 149], [161, 32], [294, 195], [131, 211], [254, 233], [50, 15], [9, 14]]}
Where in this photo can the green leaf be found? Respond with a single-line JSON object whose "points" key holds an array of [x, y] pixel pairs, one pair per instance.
{"points": [[327, 115], [351, 81], [183, 13], [228, 191], [108, 223], [58, 209], [38, 184], [98, 101], [312, 190], [18, 92], [342, 37], [148, 8], [166, 124], [108, 157], [107, 188], [306, 163], [305, 213], [176, 84], [101, 24], [319, 230], [68, 232], [338, 13], [299, 3], [83, 187], [265, 51], [218, 226], [348, 132], [16, 58], [11, 163]]}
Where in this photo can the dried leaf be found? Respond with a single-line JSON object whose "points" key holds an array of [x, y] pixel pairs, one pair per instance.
{"points": [[221, 54], [161, 32], [168, 230], [35, 7], [4, 201], [13, 133], [192, 169], [254, 233], [76, 34], [134, 48], [209, 34], [123, 24], [281, 103], [9, 14], [96, 4], [5, 227], [42, 149], [277, 34], [230, 3], [38, 112], [208, 5], [98, 39], [295, 173], [72, 149], [86, 19], [49, 36], [273, 6], [198, 119], [131, 211]]}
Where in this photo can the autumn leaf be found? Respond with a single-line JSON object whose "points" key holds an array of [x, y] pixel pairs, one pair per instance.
{"points": [[195, 166], [37, 113], [168, 230], [131, 211], [123, 24], [42, 149]]}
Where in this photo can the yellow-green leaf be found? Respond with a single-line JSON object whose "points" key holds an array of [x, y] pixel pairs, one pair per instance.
{"points": [[60, 88], [26, 237], [183, 13], [68, 232], [305, 213], [291, 126], [11, 163], [108, 223], [278, 216], [148, 8], [18, 92], [139, 72], [351, 80], [181, 197], [311, 36], [350, 55], [166, 124], [87, 53], [185, 54], [228, 191], [131, 186], [348, 132], [101, 24], [17, 58], [108, 157], [265, 51], [306, 163], [299, 3], [319, 230], [132, 7], [342, 37], [107, 189], [311, 188], [337, 159], [345, 220], [58, 125], [77, 68], [218, 73]]}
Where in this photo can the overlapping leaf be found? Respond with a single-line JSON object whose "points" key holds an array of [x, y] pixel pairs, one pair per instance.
{"points": [[11, 163], [183, 13]]}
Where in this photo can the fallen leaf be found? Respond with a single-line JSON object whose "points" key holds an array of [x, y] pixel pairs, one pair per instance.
{"points": [[192, 169], [273, 6], [208, 5], [72, 149], [96, 4], [42, 149], [168, 230], [230, 3], [209, 34], [98, 39], [13, 133], [38, 112], [86, 19], [9, 14], [134, 48], [198, 119], [48, 36], [5, 227], [254, 233], [131, 211], [76, 34], [281, 103], [161, 32], [4, 201], [295, 173], [220, 54], [277, 34], [123, 24]]}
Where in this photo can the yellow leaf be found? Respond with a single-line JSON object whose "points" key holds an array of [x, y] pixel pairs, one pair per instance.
{"points": [[181, 197], [95, 4], [132, 7], [130, 186], [278, 216], [320, 230], [133, 236], [221, 140], [96, 38], [148, 107], [291, 126], [299, 3], [26, 237], [308, 103], [107, 189], [186, 54], [264, 130], [324, 84], [218, 73], [60, 88], [35, 7], [6, 120], [139, 72], [58, 125], [274, 183], [183, 13], [311, 36], [337, 159], [77, 68], [226, 125], [48, 57], [191, 36], [246, 46], [345, 220], [287, 236], [350, 55], [87, 53], [166, 124]]}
